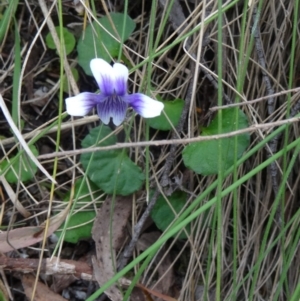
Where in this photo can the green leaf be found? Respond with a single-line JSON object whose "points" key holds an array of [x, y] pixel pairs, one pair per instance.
{"points": [[173, 110], [99, 136], [202, 157], [80, 224], [22, 166], [112, 171], [96, 42], [163, 215], [79, 227], [69, 40]]}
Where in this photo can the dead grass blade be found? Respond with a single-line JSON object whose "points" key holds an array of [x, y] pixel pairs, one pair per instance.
{"points": [[21, 139], [13, 197]]}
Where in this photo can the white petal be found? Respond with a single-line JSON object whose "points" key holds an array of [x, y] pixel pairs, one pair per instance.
{"points": [[82, 103], [144, 105], [121, 78], [104, 75]]}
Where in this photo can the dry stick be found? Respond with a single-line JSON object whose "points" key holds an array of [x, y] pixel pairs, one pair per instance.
{"points": [[54, 266], [272, 145], [294, 111], [250, 129]]}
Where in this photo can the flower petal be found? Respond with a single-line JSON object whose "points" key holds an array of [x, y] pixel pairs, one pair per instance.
{"points": [[144, 105], [104, 75], [112, 107], [121, 78], [82, 103]]}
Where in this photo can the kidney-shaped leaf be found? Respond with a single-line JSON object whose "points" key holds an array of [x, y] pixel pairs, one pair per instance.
{"points": [[79, 227], [202, 157], [112, 171], [163, 215], [69, 40]]}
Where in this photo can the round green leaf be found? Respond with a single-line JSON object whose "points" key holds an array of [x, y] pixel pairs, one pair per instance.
{"points": [[99, 136], [112, 171], [82, 192], [80, 224], [79, 227], [173, 110], [202, 157], [96, 42], [69, 40], [24, 168], [163, 215]]}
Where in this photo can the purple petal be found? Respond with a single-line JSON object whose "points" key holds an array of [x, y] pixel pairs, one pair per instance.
{"points": [[144, 105], [121, 78], [104, 75], [82, 103], [112, 107]]}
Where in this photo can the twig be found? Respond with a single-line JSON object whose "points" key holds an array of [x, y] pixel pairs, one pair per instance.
{"points": [[127, 253], [79, 269], [250, 129], [248, 102]]}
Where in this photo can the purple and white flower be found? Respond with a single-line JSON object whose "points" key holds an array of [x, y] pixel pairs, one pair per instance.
{"points": [[113, 100]]}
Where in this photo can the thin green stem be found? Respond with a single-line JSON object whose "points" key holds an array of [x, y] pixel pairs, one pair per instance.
{"points": [[16, 78], [239, 86], [296, 294], [124, 29], [220, 156], [261, 255], [163, 23]]}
